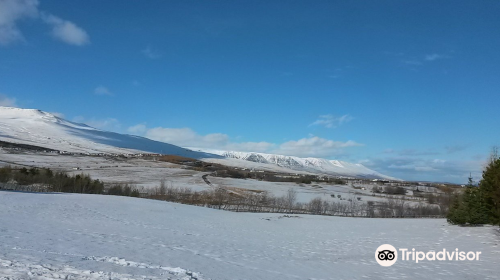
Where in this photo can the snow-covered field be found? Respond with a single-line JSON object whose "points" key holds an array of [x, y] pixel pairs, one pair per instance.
{"points": [[74, 236], [305, 192], [138, 172]]}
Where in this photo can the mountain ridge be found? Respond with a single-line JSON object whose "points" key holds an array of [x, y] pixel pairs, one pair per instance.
{"points": [[309, 164]]}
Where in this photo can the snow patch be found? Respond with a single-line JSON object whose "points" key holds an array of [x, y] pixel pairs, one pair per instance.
{"points": [[176, 271]]}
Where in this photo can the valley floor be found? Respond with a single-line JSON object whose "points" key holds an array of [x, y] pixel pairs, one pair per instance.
{"points": [[147, 174], [75, 236]]}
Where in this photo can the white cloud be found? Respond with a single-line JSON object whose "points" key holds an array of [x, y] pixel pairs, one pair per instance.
{"points": [[261, 147], [102, 90], [150, 53], [110, 124], [138, 129], [66, 31], [11, 11], [314, 147], [6, 101], [331, 121], [185, 137]]}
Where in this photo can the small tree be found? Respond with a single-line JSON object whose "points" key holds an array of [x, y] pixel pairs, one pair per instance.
{"points": [[163, 187], [479, 205], [135, 193], [220, 196], [490, 191], [5, 174], [315, 206], [291, 198], [456, 214], [33, 171]]}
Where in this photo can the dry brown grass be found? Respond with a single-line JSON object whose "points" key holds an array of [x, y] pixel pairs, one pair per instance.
{"points": [[176, 159]]}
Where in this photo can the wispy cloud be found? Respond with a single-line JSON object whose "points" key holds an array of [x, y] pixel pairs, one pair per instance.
{"points": [[413, 167], [426, 152], [6, 101], [434, 56], [13, 11], [102, 90], [66, 31], [416, 152], [314, 147], [412, 62], [455, 149], [422, 60], [151, 53], [433, 169], [330, 121]]}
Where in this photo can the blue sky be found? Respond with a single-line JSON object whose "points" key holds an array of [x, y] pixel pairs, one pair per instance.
{"points": [[408, 88]]}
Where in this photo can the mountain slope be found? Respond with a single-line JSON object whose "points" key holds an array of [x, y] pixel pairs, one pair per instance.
{"points": [[35, 127]]}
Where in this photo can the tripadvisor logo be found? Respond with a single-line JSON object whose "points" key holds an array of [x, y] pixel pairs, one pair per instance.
{"points": [[387, 255]]}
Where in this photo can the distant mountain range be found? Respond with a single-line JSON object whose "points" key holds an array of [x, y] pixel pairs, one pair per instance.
{"points": [[39, 128], [312, 165]]}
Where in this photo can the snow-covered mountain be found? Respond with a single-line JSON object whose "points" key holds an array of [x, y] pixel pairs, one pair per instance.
{"points": [[312, 165], [38, 128]]}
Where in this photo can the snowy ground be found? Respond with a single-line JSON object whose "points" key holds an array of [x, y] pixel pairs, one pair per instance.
{"points": [[73, 236], [305, 192], [139, 172]]}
